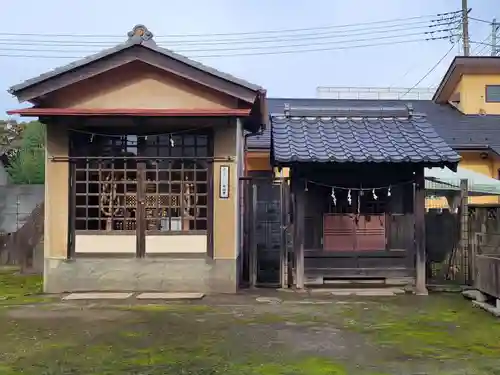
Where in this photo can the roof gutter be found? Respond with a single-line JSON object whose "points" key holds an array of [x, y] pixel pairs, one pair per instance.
{"points": [[472, 147], [454, 105]]}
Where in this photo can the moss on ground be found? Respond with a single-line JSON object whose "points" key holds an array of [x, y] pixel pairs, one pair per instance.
{"points": [[440, 327], [166, 344], [441, 335], [16, 289], [170, 307]]}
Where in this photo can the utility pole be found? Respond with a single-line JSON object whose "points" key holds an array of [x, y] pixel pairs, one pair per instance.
{"points": [[465, 27], [494, 29]]}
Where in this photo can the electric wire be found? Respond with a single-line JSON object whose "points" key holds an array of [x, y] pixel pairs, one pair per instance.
{"points": [[431, 69], [434, 31], [457, 12], [251, 48], [258, 53], [313, 36], [483, 45], [479, 20]]}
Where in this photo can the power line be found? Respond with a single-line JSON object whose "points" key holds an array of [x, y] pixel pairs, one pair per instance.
{"points": [[237, 33], [482, 42], [482, 51], [431, 69], [479, 20], [294, 51], [410, 69], [484, 45], [310, 36], [479, 45], [258, 48]]}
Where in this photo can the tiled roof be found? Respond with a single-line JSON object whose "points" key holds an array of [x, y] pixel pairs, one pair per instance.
{"points": [[457, 129], [147, 42], [361, 139]]}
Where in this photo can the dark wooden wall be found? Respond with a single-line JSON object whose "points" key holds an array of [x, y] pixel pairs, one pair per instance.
{"points": [[392, 254]]}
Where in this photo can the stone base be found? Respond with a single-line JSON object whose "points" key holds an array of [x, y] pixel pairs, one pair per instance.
{"points": [[92, 296], [170, 296], [492, 309], [366, 292], [475, 295], [141, 275]]}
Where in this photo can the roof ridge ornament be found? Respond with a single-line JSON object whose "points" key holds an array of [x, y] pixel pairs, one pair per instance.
{"points": [[409, 106], [286, 110], [139, 34]]}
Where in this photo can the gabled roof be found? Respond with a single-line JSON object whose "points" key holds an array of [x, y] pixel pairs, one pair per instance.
{"points": [[461, 132], [464, 65], [358, 139], [138, 36]]}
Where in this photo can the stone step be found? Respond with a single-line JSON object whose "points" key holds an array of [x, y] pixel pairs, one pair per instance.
{"points": [[366, 292], [96, 296], [170, 296]]}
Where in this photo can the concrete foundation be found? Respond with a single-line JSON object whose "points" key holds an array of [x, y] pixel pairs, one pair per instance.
{"points": [[141, 275]]}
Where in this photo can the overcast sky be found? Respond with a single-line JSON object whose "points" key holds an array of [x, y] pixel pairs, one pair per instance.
{"points": [[290, 75]]}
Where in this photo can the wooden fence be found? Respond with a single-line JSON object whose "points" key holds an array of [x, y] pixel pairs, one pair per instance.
{"points": [[18, 248], [485, 235], [446, 259]]}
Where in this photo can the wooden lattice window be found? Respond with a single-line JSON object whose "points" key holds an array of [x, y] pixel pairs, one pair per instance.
{"points": [[176, 195], [170, 173], [106, 195]]}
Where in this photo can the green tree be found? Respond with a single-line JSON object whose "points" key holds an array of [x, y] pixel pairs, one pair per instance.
{"points": [[27, 162], [10, 136]]}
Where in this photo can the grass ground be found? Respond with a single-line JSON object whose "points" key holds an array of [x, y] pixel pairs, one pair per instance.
{"points": [[439, 334]]}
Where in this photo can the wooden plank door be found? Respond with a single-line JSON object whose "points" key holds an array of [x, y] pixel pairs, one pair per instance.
{"points": [[338, 232], [370, 233]]}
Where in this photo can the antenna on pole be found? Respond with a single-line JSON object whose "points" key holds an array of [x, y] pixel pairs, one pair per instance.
{"points": [[465, 27]]}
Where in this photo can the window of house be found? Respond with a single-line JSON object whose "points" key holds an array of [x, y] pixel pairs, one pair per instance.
{"points": [[493, 93], [169, 174]]}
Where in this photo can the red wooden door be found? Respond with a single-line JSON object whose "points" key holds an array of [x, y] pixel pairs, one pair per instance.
{"points": [[350, 233], [370, 233], [338, 232]]}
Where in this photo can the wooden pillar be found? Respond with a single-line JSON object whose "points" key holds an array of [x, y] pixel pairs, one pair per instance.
{"points": [[71, 210], [466, 251], [419, 212], [298, 240], [253, 234], [284, 196], [140, 217]]}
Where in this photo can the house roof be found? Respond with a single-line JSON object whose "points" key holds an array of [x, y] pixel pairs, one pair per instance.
{"points": [[464, 65], [461, 132], [138, 36], [137, 112], [389, 139]]}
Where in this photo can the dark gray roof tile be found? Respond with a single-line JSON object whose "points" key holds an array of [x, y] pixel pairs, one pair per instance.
{"points": [[457, 129], [394, 140], [145, 41]]}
